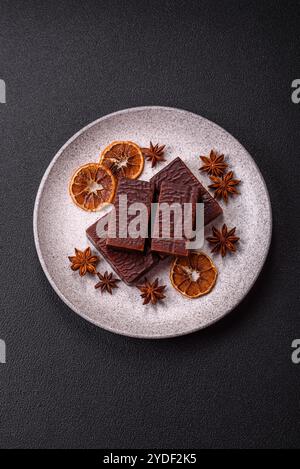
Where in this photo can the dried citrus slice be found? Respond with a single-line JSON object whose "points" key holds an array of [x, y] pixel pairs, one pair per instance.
{"points": [[193, 276], [123, 159], [92, 187]]}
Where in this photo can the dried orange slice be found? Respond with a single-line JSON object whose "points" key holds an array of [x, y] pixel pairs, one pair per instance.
{"points": [[193, 276], [92, 187], [123, 159]]}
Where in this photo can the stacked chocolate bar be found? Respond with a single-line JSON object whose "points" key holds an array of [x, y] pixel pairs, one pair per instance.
{"points": [[132, 256]]}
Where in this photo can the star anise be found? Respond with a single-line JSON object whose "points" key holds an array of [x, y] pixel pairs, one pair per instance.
{"points": [[154, 153], [223, 240], [84, 261], [214, 165], [152, 292], [107, 282], [224, 186]]}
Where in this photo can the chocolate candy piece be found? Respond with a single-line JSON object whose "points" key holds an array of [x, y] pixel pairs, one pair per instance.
{"points": [[129, 266], [136, 191], [178, 173], [169, 194]]}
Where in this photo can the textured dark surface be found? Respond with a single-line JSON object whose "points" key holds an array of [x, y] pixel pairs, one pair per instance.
{"points": [[135, 191], [69, 384], [173, 194], [178, 173], [130, 266]]}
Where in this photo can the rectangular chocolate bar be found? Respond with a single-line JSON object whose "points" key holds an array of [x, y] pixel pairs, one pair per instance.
{"points": [[169, 241], [178, 173], [129, 266], [135, 191]]}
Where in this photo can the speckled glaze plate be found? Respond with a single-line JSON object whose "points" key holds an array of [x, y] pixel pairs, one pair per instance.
{"points": [[59, 225]]}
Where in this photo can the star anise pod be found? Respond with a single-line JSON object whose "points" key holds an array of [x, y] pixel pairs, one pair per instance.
{"points": [[154, 153], [224, 186], [214, 165], [107, 282], [84, 261], [151, 292], [223, 240]]}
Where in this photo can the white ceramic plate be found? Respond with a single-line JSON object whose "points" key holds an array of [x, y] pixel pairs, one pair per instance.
{"points": [[59, 225]]}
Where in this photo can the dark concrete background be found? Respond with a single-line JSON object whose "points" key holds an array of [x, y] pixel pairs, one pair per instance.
{"points": [[67, 383]]}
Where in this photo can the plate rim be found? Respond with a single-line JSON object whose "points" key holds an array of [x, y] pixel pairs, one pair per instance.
{"points": [[39, 251]]}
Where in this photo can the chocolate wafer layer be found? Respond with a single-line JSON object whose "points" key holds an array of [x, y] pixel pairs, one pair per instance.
{"points": [[172, 240], [178, 173], [129, 266], [130, 192]]}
